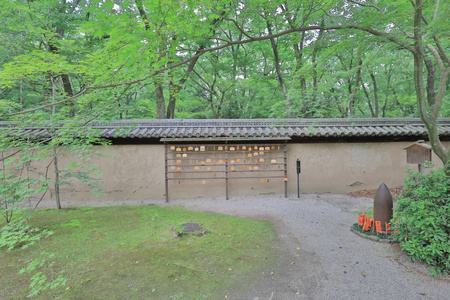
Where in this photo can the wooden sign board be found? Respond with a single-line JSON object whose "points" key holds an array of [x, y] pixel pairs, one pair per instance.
{"points": [[418, 153]]}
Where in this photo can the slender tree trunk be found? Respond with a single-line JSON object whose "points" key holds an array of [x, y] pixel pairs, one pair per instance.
{"points": [[299, 58], [21, 95], [8, 212], [388, 87], [55, 165], [55, 152], [314, 71], [372, 112], [174, 90], [66, 83], [278, 70], [160, 101], [314, 66], [351, 102], [277, 66], [69, 93], [375, 95]]}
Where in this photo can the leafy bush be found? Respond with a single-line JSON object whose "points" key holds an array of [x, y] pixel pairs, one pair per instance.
{"points": [[422, 218]]}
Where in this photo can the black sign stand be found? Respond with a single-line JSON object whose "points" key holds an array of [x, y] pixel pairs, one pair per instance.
{"points": [[298, 177]]}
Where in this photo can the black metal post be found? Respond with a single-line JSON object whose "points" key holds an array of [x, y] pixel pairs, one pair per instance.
{"points": [[285, 172], [298, 178]]}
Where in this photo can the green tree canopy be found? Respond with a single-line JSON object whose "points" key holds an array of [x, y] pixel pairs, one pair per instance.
{"points": [[82, 60]]}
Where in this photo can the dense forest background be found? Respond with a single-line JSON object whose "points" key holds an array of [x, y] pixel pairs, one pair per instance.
{"points": [[138, 59]]}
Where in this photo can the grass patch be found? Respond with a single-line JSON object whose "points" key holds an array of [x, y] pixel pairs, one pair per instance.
{"points": [[128, 252]]}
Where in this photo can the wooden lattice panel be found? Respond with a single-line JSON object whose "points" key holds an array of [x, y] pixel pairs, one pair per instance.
{"points": [[203, 162]]}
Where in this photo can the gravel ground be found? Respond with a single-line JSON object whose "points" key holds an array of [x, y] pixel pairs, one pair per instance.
{"points": [[331, 263]]}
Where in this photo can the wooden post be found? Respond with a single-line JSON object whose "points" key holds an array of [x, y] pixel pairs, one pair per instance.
{"points": [[226, 170], [165, 172]]}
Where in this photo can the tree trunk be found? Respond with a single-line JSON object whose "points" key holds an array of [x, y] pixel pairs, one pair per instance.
{"points": [[174, 89], [160, 101], [388, 87], [372, 112], [351, 102], [69, 93], [429, 119], [278, 70], [21, 95], [375, 95], [299, 57], [55, 153], [55, 164]]}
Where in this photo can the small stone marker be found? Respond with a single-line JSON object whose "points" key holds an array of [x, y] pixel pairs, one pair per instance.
{"points": [[191, 227]]}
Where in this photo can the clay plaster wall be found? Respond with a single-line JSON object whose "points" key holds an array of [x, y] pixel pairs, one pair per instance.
{"points": [[137, 172], [128, 172], [347, 167]]}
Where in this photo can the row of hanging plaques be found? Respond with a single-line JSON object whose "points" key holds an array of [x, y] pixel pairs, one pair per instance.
{"points": [[252, 152], [223, 148], [261, 153], [232, 168], [255, 152], [262, 181], [230, 161], [246, 158]]}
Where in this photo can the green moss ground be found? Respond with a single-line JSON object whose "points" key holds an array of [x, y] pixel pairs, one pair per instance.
{"points": [[128, 252]]}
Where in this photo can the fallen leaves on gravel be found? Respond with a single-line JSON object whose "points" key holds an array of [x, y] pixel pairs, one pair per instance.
{"points": [[370, 193]]}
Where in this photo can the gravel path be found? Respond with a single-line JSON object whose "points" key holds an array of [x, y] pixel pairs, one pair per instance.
{"points": [[332, 262]]}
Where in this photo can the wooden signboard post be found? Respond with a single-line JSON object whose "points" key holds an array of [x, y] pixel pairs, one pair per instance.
{"points": [[418, 153]]}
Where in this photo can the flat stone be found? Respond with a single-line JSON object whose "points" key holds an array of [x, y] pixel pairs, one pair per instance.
{"points": [[373, 238], [191, 227]]}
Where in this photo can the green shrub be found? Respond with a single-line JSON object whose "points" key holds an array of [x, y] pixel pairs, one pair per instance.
{"points": [[422, 218]]}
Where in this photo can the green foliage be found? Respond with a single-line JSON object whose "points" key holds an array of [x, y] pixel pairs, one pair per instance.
{"points": [[95, 43], [179, 230], [19, 235], [422, 218], [19, 179], [44, 278], [27, 165], [31, 66]]}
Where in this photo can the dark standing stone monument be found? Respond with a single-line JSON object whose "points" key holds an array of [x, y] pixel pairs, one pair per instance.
{"points": [[383, 206]]}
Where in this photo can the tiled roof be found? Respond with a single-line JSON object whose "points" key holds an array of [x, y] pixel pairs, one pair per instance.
{"points": [[257, 128]]}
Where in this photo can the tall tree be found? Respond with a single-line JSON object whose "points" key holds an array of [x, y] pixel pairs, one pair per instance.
{"points": [[289, 51]]}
